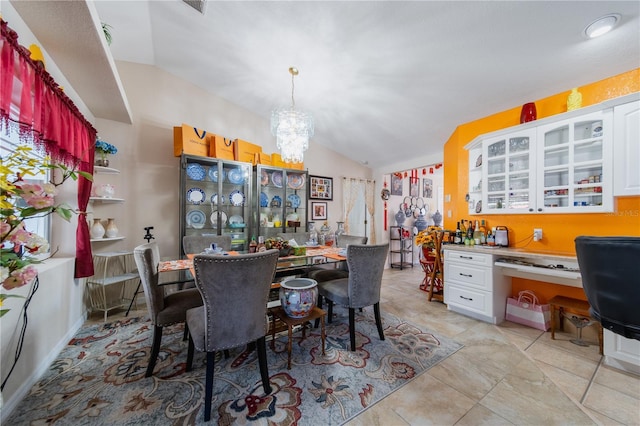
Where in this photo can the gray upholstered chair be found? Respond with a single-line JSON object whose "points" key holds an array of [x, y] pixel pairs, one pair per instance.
{"points": [[235, 290], [361, 288], [163, 309], [194, 244], [300, 237], [333, 271]]}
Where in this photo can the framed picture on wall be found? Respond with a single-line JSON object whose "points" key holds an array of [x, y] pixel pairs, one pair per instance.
{"points": [[320, 188], [427, 188], [318, 210], [414, 187], [396, 184]]}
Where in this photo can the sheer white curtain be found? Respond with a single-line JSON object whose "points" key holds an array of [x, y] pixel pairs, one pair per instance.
{"points": [[359, 207]]}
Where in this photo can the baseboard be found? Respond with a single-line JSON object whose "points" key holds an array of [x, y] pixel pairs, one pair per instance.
{"points": [[7, 407]]}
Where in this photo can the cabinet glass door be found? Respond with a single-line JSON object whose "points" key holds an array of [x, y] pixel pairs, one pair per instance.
{"points": [[216, 199], [573, 156], [509, 173], [281, 201]]}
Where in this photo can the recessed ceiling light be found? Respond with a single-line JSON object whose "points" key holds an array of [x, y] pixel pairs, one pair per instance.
{"points": [[602, 25]]}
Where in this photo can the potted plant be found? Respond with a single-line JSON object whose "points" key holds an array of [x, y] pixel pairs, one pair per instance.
{"points": [[427, 240], [102, 150]]}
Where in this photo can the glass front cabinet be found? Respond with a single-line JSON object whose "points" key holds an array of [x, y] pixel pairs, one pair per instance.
{"points": [[216, 198], [564, 166], [281, 201]]}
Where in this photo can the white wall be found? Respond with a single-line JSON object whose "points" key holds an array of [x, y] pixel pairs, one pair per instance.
{"points": [[149, 178]]}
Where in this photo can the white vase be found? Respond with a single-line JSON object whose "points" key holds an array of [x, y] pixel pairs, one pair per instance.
{"points": [[97, 230], [112, 229]]}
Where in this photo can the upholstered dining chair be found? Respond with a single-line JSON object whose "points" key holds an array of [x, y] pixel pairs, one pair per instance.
{"points": [[610, 267], [195, 244], [361, 288], [235, 291], [332, 271], [163, 309]]}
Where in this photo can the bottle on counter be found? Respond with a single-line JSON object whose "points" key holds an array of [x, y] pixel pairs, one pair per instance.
{"points": [[476, 233], [457, 239], [491, 240], [253, 245], [261, 247]]}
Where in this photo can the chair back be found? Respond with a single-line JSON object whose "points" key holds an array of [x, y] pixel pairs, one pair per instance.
{"points": [[195, 244], [147, 257], [235, 292], [610, 267], [300, 237], [344, 240], [366, 265]]}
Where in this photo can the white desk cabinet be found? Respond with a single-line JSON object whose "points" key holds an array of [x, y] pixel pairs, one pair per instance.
{"points": [[473, 286], [626, 149]]}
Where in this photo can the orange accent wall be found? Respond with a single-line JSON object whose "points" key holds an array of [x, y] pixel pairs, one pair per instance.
{"points": [[559, 230]]}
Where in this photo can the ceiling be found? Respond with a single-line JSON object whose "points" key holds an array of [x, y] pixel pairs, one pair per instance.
{"points": [[386, 81]]}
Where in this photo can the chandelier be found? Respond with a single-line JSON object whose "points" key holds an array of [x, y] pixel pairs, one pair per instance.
{"points": [[292, 128]]}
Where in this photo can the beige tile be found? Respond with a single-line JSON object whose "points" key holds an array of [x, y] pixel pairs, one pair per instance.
{"points": [[527, 396], [616, 405], [565, 360], [572, 385], [378, 415], [519, 341], [427, 401], [600, 418], [523, 330], [618, 380], [480, 415], [563, 341]]}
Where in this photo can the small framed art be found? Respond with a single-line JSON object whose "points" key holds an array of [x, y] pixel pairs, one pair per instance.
{"points": [[318, 210], [320, 188]]}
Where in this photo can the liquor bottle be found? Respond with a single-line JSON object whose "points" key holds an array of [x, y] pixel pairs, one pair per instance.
{"points": [[476, 232], [261, 247], [463, 229], [457, 239], [253, 246], [470, 230]]}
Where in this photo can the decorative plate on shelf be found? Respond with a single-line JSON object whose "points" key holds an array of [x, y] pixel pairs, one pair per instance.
{"points": [[295, 181], [195, 171], [479, 161], [213, 174], [479, 207], [236, 221], [264, 178], [235, 176], [276, 201], [214, 199], [196, 196], [294, 199], [236, 198], [264, 200], [196, 219], [214, 218], [276, 178]]}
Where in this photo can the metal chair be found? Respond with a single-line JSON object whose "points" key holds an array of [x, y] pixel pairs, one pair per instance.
{"points": [[163, 309], [361, 288], [235, 290]]}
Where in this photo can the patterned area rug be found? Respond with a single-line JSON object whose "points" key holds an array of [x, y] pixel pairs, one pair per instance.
{"points": [[98, 378]]}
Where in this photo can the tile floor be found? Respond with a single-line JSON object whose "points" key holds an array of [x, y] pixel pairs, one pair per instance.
{"points": [[506, 374]]}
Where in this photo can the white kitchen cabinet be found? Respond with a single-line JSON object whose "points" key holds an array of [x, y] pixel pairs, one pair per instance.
{"points": [[620, 352], [473, 286], [626, 149], [575, 173], [559, 164]]}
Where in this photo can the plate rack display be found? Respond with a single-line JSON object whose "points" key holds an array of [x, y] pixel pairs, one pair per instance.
{"points": [[280, 200], [215, 198]]}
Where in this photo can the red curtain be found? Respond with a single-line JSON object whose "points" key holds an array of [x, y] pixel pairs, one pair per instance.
{"points": [[32, 103]]}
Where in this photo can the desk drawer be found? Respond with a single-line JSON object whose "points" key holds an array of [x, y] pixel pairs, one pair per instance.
{"points": [[468, 299], [468, 257], [479, 278]]}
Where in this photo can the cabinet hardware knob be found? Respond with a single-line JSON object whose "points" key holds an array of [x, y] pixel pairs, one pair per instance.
{"points": [[466, 275], [466, 298]]}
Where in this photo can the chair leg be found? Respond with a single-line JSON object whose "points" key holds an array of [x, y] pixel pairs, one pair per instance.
{"points": [[352, 328], [319, 305], [376, 312], [155, 350], [226, 354], [208, 392], [185, 336], [262, 360], [330, 311], [190, 350]]}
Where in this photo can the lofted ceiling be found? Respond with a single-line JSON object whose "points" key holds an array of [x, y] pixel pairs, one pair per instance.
{"points": [[386, 81]]}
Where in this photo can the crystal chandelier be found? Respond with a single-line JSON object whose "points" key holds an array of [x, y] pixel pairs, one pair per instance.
{"points": [[292, 128]]}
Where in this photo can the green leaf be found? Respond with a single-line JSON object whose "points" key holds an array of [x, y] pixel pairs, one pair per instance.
{"points": [[64, 213], [86, 175]]}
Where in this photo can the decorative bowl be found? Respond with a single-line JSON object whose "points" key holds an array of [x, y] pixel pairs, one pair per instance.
{"points": [[298, 296]]}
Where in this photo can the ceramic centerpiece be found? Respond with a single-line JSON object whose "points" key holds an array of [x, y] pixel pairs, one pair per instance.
{"points": [[298, 296]]}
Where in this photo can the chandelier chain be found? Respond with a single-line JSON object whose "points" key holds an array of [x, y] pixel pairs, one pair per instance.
{"points": [[293, 101]]}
